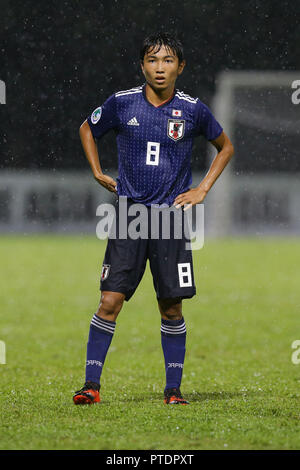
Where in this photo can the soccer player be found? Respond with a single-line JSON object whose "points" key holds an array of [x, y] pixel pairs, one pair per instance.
{"points": [[155, 125]]}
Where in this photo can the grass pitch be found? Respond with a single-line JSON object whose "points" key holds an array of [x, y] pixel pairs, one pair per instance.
{"points": [[239, 378]]}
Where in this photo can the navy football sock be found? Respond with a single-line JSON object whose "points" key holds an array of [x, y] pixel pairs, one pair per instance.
{"points": [[100, 336], [173, 337]]}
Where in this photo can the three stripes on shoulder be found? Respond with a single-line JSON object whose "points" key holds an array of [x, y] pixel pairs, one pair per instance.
{"points": [[180, 95]]}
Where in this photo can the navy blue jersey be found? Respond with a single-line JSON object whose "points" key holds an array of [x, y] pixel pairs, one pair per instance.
{"points": [[154, 143]]}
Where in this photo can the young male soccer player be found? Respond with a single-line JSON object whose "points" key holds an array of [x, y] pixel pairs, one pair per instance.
{"points": [[155, 126]]}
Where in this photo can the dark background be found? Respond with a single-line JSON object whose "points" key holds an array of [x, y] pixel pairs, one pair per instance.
{"points": [[62, 59]]}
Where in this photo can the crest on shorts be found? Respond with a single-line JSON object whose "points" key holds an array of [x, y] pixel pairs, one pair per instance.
{"points": [[175, 129], [105, 271]]}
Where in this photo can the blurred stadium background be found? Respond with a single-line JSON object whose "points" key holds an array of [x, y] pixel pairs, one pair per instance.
{"points": [[61, 60]]}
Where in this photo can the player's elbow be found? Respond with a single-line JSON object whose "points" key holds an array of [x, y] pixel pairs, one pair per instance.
{"points": [[230, 150], [229, 147]]}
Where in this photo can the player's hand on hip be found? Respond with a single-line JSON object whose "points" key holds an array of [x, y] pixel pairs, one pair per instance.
{"points": [[107, 182], [190, 198]]}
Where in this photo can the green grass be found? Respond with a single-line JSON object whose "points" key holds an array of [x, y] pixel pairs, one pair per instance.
{"points": [[243, 388]]}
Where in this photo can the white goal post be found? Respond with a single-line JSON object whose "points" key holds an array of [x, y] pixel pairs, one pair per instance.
{"points": [[246, 202]]}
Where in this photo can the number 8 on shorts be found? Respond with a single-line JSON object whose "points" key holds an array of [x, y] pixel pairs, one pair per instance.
{"points": [[184, 274]]}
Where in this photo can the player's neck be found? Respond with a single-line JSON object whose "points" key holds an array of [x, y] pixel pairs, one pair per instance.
{"points": [[158, 97]]}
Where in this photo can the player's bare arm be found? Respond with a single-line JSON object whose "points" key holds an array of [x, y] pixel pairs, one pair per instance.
{"points": [[91, 152], [198, 194]]}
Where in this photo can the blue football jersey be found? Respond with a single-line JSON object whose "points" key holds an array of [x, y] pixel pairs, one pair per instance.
{"points": [[154, 143]]}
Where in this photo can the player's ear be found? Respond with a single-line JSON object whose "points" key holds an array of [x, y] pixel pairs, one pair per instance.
{"points": [[181, 67], [142, 66]]}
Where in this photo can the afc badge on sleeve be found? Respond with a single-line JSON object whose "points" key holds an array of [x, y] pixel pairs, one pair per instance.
{"points": [[176, 129], [96, 115]]}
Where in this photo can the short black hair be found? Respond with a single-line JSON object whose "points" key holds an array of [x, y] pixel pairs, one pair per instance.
{"points": [[162, 38]]}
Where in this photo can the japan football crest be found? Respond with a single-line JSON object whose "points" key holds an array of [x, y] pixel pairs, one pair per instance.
{"points": [[175, 129], [105, 271]]}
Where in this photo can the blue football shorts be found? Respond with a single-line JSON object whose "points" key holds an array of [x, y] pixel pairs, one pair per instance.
{"points": [[170, 260]]}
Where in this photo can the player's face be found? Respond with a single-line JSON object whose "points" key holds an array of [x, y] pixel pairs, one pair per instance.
{"points": [[161, 68]]}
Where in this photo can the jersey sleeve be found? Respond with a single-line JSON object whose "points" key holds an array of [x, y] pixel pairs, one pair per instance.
{"points": [[104, 118], [206, 123]]}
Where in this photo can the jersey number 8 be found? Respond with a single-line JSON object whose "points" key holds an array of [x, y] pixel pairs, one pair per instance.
{"points": [[153, 149]]}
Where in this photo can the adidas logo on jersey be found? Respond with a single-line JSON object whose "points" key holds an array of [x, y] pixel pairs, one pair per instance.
{"points": [[133, 122]]}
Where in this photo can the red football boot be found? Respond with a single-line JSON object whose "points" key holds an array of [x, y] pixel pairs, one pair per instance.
{"points": [[174, 397], [88, 394]]}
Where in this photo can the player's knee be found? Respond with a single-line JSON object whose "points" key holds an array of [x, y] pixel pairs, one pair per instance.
{"points": [[110, 305], [172, 315], [170, 309]]}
